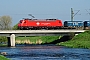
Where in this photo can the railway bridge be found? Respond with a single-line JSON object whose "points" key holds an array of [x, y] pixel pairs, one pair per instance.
{"points": [[11, 34]]}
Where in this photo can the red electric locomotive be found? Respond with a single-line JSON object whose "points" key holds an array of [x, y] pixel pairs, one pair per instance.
{"points": [[40, 24]]}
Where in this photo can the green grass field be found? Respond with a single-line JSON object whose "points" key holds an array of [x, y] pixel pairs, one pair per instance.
{"points": [[3, 58], [36, 39], [80, 41], [3, 45]]}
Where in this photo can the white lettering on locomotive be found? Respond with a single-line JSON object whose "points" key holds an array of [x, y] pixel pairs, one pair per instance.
{"points": [[45, 23]]}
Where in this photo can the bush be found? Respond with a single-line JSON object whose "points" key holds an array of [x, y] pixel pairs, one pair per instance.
{"points": [[3, 39], [71, 35]]}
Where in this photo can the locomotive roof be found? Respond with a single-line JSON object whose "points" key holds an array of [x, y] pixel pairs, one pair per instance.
{"points": [[40, 19], [87, 21], [73, 21]]}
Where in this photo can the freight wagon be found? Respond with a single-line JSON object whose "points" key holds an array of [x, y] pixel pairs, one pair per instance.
{"points": [[74, 24], [87, 25]]}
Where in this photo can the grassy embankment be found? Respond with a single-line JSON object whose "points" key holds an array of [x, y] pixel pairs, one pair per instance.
{"points": [[36, 39], [3, 45], [3, 58], [79, 41]]}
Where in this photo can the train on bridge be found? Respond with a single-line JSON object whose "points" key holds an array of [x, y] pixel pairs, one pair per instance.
{"points": [[52, 24]]}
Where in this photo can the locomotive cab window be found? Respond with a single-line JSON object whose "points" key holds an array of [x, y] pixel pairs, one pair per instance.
{"points": [[20, 21], [59, 21]]}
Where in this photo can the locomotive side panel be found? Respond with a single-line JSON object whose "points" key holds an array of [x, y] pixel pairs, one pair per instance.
{"points": [[36, 24]]}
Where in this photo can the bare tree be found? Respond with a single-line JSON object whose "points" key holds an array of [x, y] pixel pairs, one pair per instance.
{"points": [[5, 22]]}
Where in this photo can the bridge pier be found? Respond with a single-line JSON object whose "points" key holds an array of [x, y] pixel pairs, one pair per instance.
{"points": [[11, 40]]}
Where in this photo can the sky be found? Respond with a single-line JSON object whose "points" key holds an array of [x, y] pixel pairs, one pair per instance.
{"points": [[45, 9]]}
